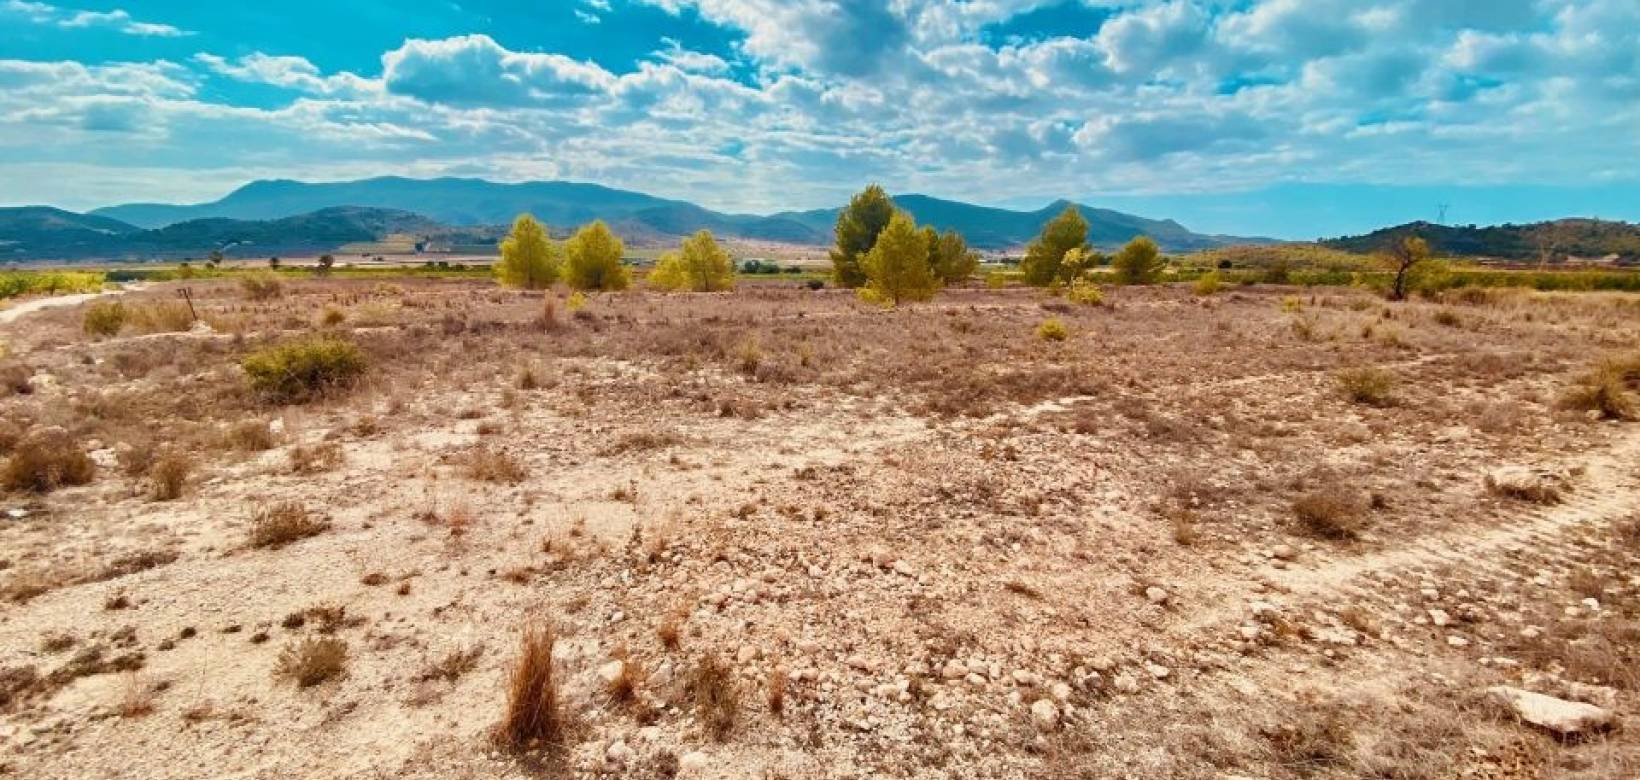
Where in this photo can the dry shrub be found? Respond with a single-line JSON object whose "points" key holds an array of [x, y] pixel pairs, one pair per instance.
{"points": [[250, 436], [1330, 513], [717, 702], [1184, 523], [278, 525], [1315, 738], [331, 316], [777, 691], [314, 458], [1367, 385], [452, 665], [169, 475], [304, 370], [138, 698], [261, 286], [533, 718], [1604, 391], [490, 465], [624, 688], [670, 631], [160, 317], [312, 660], [45, 460], [642, 441], [104, 319]]}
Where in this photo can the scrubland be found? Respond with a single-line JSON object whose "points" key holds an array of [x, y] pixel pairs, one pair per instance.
{"points": [[430, 528]]}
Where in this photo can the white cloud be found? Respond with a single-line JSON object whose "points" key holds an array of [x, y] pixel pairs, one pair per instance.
{"points": [[67, 18]]}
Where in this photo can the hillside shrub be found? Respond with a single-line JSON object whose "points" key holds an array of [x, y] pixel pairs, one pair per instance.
{"points": [[300, 371], [1052, 329], [105, 319], [261, 286]]}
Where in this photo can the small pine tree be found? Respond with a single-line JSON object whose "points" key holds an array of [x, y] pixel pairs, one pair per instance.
{"points": [[1139, 262], [594, 259], [949, 257], [529, 259], [1044, 262], [897, 266], [701, 266], [858, 226]]}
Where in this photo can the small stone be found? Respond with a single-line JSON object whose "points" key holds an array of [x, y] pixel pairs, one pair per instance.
{"points": [[1158, 671], [619, 753], [746, 654], [1156, 595], [1457, 641], [1045, 714], [1439, 618], [693, 761], [611, 671], [1126, 683]]}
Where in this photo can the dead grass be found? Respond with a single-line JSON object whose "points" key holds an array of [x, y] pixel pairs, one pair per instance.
{"points": [[533, 718], [283, 523], [717, 699], [1367, 385], [494, 465], [250, 436], [1332, 513], [453, 664], [312, 660], [315, 458]]}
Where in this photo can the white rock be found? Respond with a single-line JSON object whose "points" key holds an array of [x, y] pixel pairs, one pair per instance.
{"points": [[1126, 683], [693, 761], [1158, 671], [611, 671], [1045, 714], [1547, 712], [746, 654], [619, 753], [1439, 617], [1156, 595]]}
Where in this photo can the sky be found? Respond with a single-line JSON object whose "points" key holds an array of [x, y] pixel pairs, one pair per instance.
{"points": [[1283, 118]]}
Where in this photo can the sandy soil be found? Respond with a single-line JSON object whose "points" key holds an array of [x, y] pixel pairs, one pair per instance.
{"points": [[962, 551]]}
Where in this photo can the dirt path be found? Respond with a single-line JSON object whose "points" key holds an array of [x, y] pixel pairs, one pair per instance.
{"points": [[17, 312]]}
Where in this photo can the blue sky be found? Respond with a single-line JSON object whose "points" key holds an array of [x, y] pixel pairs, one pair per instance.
{"points": [[1289, 118]]}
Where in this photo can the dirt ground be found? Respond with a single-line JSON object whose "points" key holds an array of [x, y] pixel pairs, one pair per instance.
{"points": [[925, 542]]}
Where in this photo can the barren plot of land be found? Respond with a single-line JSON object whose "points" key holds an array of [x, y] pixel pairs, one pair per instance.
{"points": [[434, 529]]}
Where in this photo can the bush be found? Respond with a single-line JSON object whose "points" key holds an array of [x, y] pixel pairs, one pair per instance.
{"points": [[594, 259], [1329, 514], [1208, 284], [701, 266], [160, 317], [717, 700], [1086, 293], [1367, 385], [1603, 391], [45, 460], [105, 319], [168, 475], [311, 661], [1052, 329], [304, 370], [261, 286], [278, 525], [529, 258], [1138, 262]]}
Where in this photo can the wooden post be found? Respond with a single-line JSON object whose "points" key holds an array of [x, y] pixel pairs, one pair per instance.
{"points": [[188, 296]]}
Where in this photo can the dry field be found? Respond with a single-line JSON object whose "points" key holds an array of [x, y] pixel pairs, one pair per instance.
{"points": [[780, 533]]}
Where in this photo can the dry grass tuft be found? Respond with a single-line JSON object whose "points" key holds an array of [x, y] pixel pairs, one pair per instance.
{"points": [[1317, 738], [1330, 513], [624, 688], [1367, 385], [490, 465], [312, 660], [1604, 391], [452, 665], [301, 371], [250, 436], [717, 702], [278, 525], [315, 458], [777, 691], [533, 718]]}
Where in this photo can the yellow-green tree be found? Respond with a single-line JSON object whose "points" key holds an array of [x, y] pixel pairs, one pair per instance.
{"points": [[529, 259], [1138, 262], [896, 268], [1044, 262], [858, 226], [701, 265], [1406, 258], [593, 259], [948, 256]]}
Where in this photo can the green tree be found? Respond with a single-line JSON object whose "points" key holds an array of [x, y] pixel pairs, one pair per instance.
{"points": [[701, 265], [594, 259], [326, 262], [948, 256], [858, 225], [1139, 262], [1044, 262], [896, 268], [529, 258], [1405, 258]]}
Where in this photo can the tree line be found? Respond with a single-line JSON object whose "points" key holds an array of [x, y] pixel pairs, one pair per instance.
{"points": [[880, 251]]}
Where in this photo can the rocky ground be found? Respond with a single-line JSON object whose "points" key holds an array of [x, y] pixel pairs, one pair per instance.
{"points": [[1183, 543]]}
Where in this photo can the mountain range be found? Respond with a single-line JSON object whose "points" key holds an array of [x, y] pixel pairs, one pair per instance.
{"points": [[280, 216], [1580, 238]]}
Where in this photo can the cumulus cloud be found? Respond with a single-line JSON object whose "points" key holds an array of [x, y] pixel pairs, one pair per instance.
{"points": [[816, 96]]}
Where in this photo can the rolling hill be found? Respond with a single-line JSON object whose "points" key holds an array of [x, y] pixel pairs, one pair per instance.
{"points": [[466, 202], [1556, 240]]}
